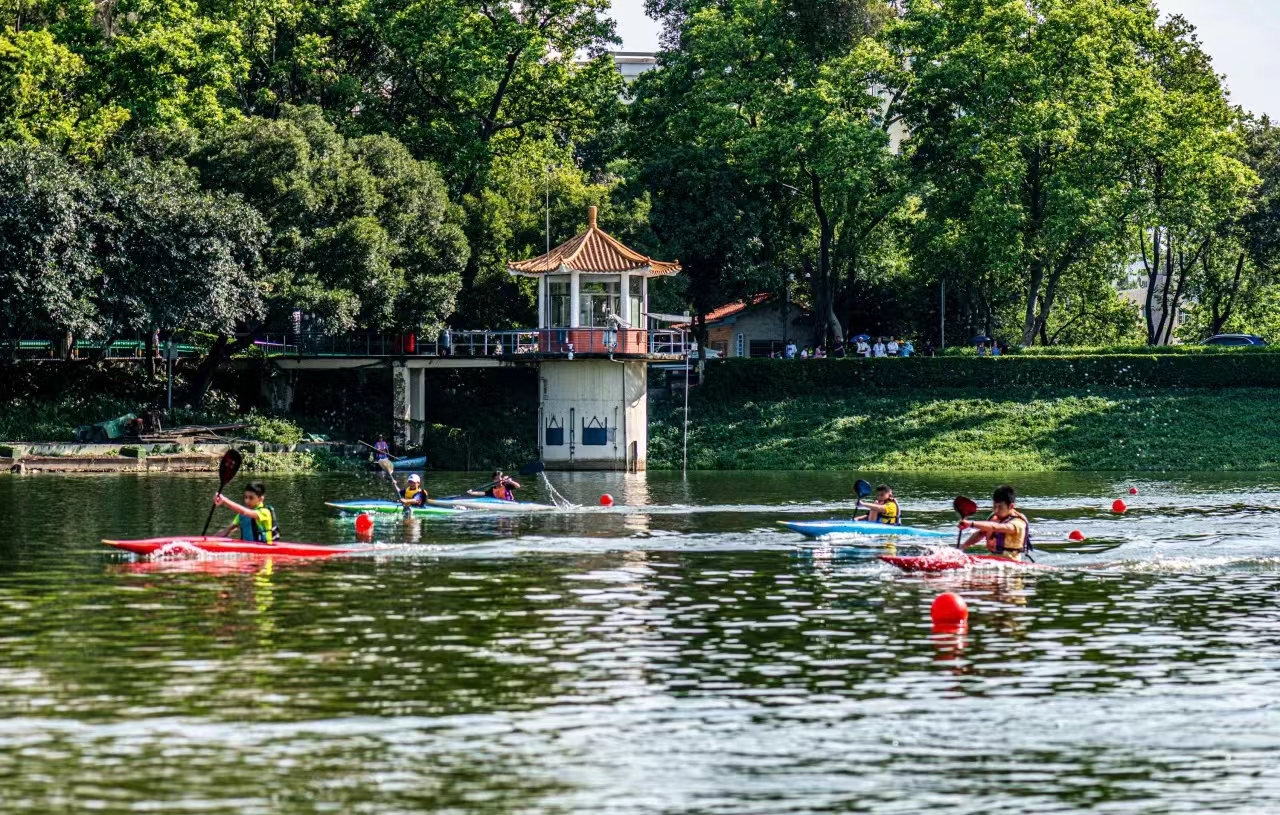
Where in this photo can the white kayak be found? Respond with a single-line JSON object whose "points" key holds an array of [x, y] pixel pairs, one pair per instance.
{"points": [[486, 504]]}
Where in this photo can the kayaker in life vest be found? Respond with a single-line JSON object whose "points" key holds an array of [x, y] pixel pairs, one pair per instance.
{"points": [[257, 520], [1007, 532], [413, 494], [884, 510], [502, 488]]}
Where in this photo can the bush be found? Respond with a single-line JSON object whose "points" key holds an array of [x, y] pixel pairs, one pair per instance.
{"points": [[272, 430], [772, 378]]}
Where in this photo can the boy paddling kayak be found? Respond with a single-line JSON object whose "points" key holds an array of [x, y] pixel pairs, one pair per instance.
{"points": [[1007, 532], [257, 521], [884, 510]]}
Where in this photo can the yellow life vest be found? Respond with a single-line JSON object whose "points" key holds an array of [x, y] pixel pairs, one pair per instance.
{"points": [[1010, 544], [890, 514]]}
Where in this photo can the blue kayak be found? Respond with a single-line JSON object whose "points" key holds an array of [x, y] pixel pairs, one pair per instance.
{"points": [[390, 507], [486, 504], [405, 464], [821, 529]]}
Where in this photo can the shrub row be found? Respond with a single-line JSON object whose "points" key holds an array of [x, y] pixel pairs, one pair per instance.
{"points": [[769, 378]]}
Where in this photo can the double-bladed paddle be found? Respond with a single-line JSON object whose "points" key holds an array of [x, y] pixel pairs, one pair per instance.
{"points": [[532, 468], [964, 507], [389, 469], [227, 469]]}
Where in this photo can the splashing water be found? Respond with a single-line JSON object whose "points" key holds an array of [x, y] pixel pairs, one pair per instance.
{"points": [[556, 498]]}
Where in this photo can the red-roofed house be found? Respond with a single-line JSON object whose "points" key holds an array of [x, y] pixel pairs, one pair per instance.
{"points": [[757, 326]]}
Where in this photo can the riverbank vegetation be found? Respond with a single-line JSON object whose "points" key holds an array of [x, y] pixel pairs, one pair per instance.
{"points": [[1015, 430], [215, 172]]}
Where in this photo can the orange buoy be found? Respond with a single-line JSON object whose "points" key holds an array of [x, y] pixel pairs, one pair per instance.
{"points": [[949, 609], [1133, 490], [606, 500], [364, 523], [1119, 507], [1076, 535]]}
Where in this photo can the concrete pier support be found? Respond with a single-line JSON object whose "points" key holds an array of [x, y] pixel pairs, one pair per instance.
{"points": [[408, 404], [417, 405], [593, 414]]}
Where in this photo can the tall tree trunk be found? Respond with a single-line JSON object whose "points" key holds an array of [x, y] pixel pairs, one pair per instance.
{"points": [[1228, 300], [1152, 265], [1029, 322], [829, 323], [222, 351]]}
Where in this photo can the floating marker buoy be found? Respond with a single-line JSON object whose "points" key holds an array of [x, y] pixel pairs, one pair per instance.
{"points": [[949, 609], [606, 500], [1076, 535], [1119, 507], [1133, 490], [364, 523]]}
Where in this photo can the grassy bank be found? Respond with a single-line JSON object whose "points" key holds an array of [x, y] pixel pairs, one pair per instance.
{"points": [[939, 429]]}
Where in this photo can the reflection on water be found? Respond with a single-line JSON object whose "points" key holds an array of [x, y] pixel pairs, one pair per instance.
{"points": [[677, 654]]}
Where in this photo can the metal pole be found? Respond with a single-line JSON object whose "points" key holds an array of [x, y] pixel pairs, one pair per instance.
{"points": [[169, 354], [684, 463], [546, 176], [942, 317]]}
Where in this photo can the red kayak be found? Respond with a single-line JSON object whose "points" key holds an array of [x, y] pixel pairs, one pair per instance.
{"points": [[230, 546], [955, 560]]}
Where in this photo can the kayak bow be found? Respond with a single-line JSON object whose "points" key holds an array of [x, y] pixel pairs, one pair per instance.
{"points": [[822, 529], [214, 545]]}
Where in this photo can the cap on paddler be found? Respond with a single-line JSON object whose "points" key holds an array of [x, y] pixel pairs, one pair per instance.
{"points": [[415, 479]]}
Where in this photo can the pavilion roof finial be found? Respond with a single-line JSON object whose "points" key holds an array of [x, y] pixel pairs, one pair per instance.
{"points": [[591, 218]]}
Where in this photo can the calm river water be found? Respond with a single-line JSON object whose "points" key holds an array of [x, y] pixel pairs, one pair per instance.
{"points": [[679, 654]]}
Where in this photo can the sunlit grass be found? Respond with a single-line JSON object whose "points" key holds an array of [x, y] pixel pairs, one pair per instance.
{"points": [[959, 430]]}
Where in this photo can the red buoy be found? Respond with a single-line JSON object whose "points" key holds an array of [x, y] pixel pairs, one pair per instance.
{"points": [[1133, 490], [1076, 535], [1119, 507], [606, 500], [949, 609], [364, 523]]}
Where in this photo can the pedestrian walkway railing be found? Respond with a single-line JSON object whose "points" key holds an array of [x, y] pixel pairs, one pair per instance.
{"points": [[93, 349]]}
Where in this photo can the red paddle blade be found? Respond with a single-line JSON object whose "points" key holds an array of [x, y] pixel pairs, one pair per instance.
{"points": [[229, 466], [964, 507]]}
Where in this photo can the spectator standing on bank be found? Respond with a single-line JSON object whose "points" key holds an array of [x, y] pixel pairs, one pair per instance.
{"points": [[907, 348], [878, 350], [929, 350], [982, 349], [790, 351], [892, 347]]}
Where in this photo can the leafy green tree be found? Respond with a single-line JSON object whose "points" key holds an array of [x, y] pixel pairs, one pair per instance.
{"points": [[45, 96], [1193, 181], [173, 257], [362, 234], [1023, 116], [46, 244], [787, 92]]}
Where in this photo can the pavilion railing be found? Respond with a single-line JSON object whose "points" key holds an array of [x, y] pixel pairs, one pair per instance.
{"points": [[518, 343]]}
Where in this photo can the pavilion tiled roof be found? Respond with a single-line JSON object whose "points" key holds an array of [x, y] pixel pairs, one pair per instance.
{"points": [[593, 251]]}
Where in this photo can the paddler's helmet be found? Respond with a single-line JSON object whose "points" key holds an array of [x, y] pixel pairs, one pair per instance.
{"points": [[415, 479]]}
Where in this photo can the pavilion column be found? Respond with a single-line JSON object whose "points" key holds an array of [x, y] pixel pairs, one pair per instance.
{"points": [[401, 405], [544, 316], [573, 299]]}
